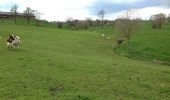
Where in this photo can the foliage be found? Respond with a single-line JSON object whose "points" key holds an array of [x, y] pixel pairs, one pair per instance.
{"points": [[75, 24], [158, 20], [97, 22]]}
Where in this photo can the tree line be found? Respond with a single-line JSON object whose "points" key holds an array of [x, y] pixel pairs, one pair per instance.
{"points": [[74, 24], [28, 14], [157, 21]]}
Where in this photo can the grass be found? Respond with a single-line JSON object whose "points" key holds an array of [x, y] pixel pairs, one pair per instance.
{"points": [[74, 65], [24, 21]]}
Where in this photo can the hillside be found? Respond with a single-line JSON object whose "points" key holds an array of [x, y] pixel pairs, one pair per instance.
{"points": [[149, 44], [74, 65]]}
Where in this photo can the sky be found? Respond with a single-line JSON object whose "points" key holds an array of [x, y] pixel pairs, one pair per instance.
{"points": [[60, 10]]}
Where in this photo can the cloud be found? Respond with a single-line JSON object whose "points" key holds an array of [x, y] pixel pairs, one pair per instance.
{"points": [[122, 1], [81, 9], [52, 9], [148, 11], [144, 13], [113, 6], [4, 4]]}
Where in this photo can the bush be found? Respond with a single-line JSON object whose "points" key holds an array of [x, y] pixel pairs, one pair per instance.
{"points": [[158, 20], [128, 23]]}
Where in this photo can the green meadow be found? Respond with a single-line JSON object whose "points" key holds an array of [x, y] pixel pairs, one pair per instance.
{"points": [[149, 44], [60, 64]]}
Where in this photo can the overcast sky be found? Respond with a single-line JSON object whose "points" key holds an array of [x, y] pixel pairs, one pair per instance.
{"points": [[59, 10]]}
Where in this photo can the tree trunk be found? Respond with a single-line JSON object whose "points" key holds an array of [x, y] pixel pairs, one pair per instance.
{"points": [[102, 22], [28, 20], [15, 16], [15, 19]]}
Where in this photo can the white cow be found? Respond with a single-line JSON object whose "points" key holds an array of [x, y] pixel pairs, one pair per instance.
{"points": [[13, 40]]}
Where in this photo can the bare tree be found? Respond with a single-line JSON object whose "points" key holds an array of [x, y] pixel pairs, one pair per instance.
{"points": [[28, 13], [158, 20], [14, 9], [101, 14], [37, 16], [82, 25], [69, 21], [128, 23]]}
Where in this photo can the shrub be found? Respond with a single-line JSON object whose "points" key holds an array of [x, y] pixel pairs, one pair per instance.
{"points": [[158, 20]]}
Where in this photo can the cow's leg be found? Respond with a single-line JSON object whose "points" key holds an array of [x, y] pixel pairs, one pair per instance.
{"points": [[18, 45], [8, 45]]}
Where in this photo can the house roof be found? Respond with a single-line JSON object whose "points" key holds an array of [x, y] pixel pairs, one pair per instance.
{"points": [[11, 13]]}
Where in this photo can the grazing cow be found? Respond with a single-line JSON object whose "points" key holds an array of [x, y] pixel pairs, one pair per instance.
{"points": [[13, 40], [103, 35]]}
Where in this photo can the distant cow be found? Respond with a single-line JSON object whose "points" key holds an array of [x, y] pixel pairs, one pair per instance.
{"points": [[13, 40], [103, 35]]}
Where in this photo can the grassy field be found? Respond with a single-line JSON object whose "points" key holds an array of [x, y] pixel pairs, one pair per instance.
{"points": [[55, 64], [149, 44]]}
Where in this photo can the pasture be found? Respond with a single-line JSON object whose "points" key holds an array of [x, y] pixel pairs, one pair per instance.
{"points": [[149, 45], [56, 64]]}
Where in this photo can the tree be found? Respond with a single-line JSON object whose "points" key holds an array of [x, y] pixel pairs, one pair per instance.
{"points": [[60, 24], [82, 25], [28, 13], [90, 21], [97, 22], [37, 16], [14, 9], [158, 20], [168, 18], [69, 21], [72, 22], [128, 23], [101, 14]]}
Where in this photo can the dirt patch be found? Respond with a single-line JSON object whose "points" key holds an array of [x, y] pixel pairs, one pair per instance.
{"points": [[55, 90]]}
